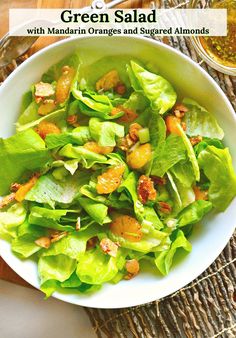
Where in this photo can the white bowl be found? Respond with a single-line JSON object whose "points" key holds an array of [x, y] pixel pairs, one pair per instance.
{"points": [[190, 80]]}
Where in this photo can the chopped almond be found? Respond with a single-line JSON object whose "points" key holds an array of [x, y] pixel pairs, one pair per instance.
{"points": [[25, 188], [180, 110], [165, 207], [72, 119], [125, 143], [110, 180], [77, 225], [15, 187], [44, 128], [120, 89], [43, 242], [132, 267], [109, 247], [91, 243], [93, 146], [128, 117], [195, 140], [56, 236], [158, 180], [7, 200], [127, 227], [108, 81], [133, 131], [146, 191], [43, 89], [200, 194]]}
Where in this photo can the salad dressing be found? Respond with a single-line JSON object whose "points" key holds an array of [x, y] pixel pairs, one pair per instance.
{"points": [[222, 49]]}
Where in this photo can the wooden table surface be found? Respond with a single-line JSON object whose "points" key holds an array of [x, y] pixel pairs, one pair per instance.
{"points": [[6, 272]]}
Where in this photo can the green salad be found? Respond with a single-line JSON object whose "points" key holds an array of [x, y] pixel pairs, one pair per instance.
{"points": [[109, 170]]}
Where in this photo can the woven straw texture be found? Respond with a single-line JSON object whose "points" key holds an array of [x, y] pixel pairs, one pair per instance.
{"points": [[205, 308]]}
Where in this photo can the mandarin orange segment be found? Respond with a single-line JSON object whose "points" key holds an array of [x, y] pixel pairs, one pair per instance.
{"points": [[172, 125], [93, 146], [127, 227], [64, 84], [25, 188], [110, 180]]}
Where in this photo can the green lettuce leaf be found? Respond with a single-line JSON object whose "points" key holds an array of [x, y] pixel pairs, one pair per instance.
{"points": [[190, 152], [182, 194], [200, 122], [51, 219], [158, 90], [194, 212], [86, 157], [218, 168], [22, 152], [24, 244], [54, 72], [105, 133], [10, 219], [164, 259], [56, 117], [207, 142], [89, 106], [157, 130], [96, 211], [50, 191], [168, 155], [59, 267], [95, 267], [136, 102], [70, 165], [183, 172], [74, 244], [29, 115], [78, 136]]}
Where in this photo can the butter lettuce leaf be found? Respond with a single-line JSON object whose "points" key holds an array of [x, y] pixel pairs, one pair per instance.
{"points": [[95, 267], [86, 157], [95, 210], [52, 192], [190, 152], [194, 212], [218, 168], [168, 154], [164, 259], [20, 153], [200, 122], [54, 72], [59, 267], [105, 133], [157, 89], [78, 136], [10, 219]]}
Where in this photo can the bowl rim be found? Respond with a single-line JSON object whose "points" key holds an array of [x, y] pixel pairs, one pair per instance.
{"points": [[146, 298]]}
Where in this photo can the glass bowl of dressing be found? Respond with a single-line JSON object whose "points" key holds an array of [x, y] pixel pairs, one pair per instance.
{"points": [[218, 51]]}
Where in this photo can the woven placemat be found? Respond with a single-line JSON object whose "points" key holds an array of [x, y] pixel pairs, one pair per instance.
{"points": [[204, 308]]}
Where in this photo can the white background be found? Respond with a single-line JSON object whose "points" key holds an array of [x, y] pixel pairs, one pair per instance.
{"points": [[25, 314]]}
